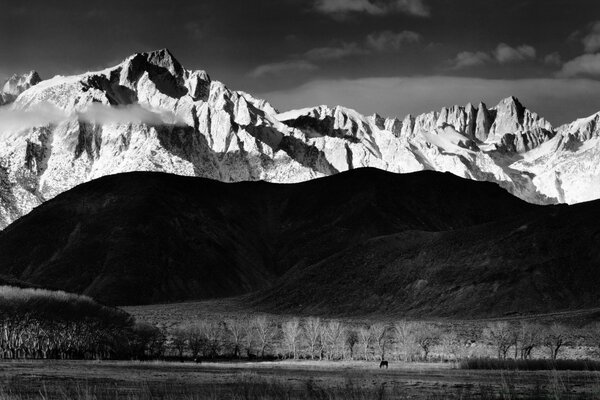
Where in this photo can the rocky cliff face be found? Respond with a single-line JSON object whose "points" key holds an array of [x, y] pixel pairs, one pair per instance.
{"points": [[16, 85], [151, 114]]}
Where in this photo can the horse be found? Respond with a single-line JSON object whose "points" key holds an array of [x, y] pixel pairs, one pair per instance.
{"points": [[383, 363]]}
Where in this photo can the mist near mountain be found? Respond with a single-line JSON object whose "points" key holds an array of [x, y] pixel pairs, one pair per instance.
{"points": [[152, 114]]}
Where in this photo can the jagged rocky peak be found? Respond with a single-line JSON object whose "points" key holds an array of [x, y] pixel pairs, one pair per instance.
{"points": [[483, 122], [582, 129], [17, 84]]}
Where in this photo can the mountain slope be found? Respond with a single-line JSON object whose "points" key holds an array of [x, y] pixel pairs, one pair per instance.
{"points": [[149, 113], [544, 261], [147, 237]]}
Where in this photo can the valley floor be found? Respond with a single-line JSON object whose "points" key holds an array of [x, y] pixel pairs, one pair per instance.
{"points": [[284, 379]]}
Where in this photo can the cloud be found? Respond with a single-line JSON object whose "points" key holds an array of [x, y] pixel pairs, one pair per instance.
{"points": [[591, 41], [43, 114], [388, 40], [558, 100], [553, 59], [374, 42], [468, 59], [335, 52], [502, 54], [505, 54], [585, 65], [372, 7], [284, 67]]}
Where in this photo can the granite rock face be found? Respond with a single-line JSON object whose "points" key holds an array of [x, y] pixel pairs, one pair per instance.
{"points": [[151, 114]]}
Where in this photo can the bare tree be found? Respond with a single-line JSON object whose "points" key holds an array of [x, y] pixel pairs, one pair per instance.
{"points": [[291, 335], [334, 339], [426, 336], [528, 337], [351, 341], [266, 331], [451, 345], [365, 336], [179, 341], [500, 335], [381, 338], [195, 339], [554, 338], [249, 340], [212, 331], [405, 340], [313, 331], [235, 328]]}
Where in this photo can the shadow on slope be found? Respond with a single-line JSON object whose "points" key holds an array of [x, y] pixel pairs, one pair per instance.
{"points": [[544, 261], [143, 237]]}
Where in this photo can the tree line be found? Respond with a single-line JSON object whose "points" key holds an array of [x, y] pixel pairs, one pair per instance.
{"points": [[37, 323], [317, 339]]}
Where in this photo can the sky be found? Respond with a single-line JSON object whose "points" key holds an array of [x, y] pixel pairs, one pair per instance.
{"points": [[392, 57]]}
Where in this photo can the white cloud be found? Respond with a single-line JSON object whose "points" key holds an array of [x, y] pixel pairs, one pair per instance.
{"points": [[506, 54], [503, 54], [373, 7], [42, 114], [591, 41], [585, 65], [468, 59], [390, 41], [284, 67], [558, 100]]}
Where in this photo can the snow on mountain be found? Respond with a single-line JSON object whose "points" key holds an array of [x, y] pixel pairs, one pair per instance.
{"points": [[16, 85], [150, 113]]}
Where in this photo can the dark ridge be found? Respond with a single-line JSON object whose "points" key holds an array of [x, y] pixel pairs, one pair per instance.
{"points": [[144, 237], [540, 262]]}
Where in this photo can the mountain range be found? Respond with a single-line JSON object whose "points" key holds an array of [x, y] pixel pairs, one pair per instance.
{"points": [[149, 113], [146, 183]]}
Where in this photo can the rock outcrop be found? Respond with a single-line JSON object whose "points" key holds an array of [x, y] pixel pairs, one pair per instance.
{"points": [[151, 114]]}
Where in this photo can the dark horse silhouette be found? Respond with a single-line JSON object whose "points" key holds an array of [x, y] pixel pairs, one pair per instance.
{"points": [[383, 364]]}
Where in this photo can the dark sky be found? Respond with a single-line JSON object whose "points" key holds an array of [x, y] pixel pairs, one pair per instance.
{"points": [[389, 56]]}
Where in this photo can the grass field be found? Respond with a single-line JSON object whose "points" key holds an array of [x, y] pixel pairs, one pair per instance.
{"points": [[275, 380]]}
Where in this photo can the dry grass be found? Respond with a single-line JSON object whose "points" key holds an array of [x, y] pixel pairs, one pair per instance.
{"points": [[303, 380]]}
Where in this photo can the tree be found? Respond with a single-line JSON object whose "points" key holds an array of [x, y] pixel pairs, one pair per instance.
{"points": [[291, 335], [195, 339], [179, 341], [528, 337], [365, 336], [334, 339], [313, 331], [235, 328], [212, 331], [266, 331], [248, 328], [451, 345], [405, 341], [500, 335], [426, 336], [351, 341], [381, 338], [554, 338]]}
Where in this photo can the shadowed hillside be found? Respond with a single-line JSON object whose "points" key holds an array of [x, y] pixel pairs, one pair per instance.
{"points": [[145, 237], [544, 261]]}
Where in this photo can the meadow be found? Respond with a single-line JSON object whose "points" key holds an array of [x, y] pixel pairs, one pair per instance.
{"points": [[222, 349], [68, 379]]}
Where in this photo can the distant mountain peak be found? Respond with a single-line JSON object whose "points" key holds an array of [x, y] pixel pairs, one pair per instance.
{"points": [[231, 135], [17, 84]]}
